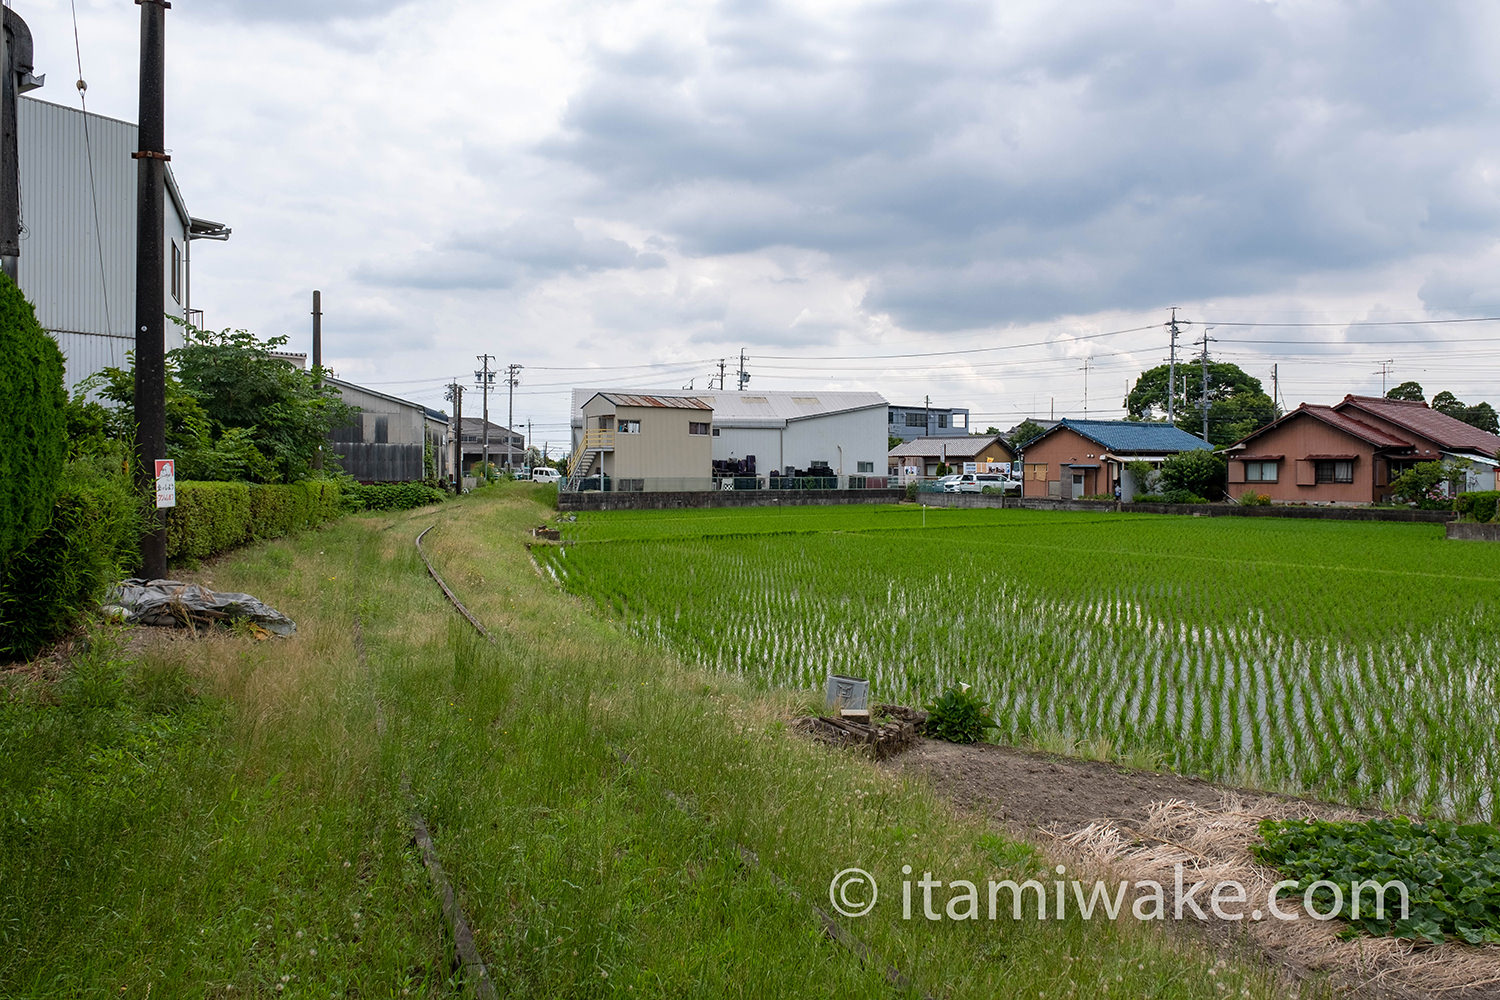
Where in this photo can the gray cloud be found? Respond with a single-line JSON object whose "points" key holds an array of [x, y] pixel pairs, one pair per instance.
{"points": [[531, 249], [982, 169], [298, 10]]}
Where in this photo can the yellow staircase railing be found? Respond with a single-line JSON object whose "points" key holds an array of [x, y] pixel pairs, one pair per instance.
{"points": [[594, 442]]}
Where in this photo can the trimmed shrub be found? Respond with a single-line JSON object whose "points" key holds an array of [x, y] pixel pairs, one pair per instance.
{"points": [[391, 496], [90, 542], [213, 517], [33, 442], [1479, 505]]}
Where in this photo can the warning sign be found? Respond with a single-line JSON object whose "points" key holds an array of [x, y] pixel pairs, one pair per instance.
{"points": [[166, 483]]}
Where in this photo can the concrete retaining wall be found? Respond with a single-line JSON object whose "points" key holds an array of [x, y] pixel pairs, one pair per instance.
{"points": [[1196, 509], [1470, 532], [725, 498]]}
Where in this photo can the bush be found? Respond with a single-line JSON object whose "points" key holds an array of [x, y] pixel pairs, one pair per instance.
{"points": [[90, 542], [33, 445], [214, 517], [1171, 496], [1479, 505], [1253, 499], [1198, 472], [958, 716], [913, 487], [391, 496]]}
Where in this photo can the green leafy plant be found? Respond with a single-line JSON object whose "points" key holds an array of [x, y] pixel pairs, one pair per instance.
{"points": [[1479, 505], [391, 496], [1200, 472], [32, 405], [1253, 499], [1451, 873], [958, 716]]}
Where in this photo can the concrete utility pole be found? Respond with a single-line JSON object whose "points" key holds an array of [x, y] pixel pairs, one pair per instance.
{"points": [[456, 394], [317, 360], [512, 378], [1172, 371], [15, 64], [721, 375], [743, 375], [1385, 369], [1203, 389], [1275, 391], [1087, 364], [486, 378], [927, 419], [150, 319]]}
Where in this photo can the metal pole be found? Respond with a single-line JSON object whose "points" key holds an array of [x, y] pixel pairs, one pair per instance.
{"points": [[317, 359], [512, 373], [150, 330], [1172, 373]]}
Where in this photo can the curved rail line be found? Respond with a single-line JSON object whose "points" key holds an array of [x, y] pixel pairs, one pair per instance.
{"points": [[831, 928]]}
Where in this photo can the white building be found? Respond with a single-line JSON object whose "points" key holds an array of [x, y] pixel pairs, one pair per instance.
{"points": [[77, 264], [790, 432]]}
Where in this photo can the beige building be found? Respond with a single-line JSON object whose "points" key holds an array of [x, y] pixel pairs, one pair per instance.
{"points": [[644, 443]]}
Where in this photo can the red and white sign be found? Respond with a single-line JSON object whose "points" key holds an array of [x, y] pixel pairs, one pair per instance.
{"points": [[166, 483]]}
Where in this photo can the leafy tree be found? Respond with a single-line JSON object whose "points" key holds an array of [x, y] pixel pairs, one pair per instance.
{"points": [[1201, 472], [1237, 404], [992, 430], [1025, 432], [1422, 484], [891, 441], [1411, 391], [1446, 402], [1483, 416]]}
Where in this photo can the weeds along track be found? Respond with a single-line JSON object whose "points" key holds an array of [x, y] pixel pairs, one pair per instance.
{"points": [[459, 927]]}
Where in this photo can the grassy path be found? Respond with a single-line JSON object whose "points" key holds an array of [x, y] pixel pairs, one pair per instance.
{"points": [[220, 818]]}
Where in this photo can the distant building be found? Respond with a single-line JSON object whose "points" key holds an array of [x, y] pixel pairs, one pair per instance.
{"points": [[79, 275], [985, 452], [645, 442], [507, 448], [390, 439], [1348, 453], [911, 422], [1079, 458]]}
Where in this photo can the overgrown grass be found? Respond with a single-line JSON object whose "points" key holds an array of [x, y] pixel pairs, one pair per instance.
{"points": [[254, 841]]}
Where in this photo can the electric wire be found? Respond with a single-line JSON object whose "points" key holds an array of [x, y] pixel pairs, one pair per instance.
{"points": [[88, 148]]}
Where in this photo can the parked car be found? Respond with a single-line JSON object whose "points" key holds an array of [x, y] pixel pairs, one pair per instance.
{"points": [[545, 476], [521, 475], [976, 482]]}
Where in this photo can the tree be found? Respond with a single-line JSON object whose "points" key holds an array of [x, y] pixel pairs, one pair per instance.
{"points": [[1446, 402], [1200, 472], [1483, 416], [1411, 391], [891, 441], [1237, 405], [1026, 432], [992, 430], [32, 407]]}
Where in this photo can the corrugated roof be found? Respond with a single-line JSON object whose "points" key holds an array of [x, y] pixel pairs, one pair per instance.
{"points": [[1131, 436], [959, 446], [1448, 433], [665, 402], [787, 406]]}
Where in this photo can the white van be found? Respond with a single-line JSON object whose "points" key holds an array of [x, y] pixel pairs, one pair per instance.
{"points": [[543, 475]]}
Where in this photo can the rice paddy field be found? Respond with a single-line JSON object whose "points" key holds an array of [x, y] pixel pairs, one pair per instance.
{"points": [[1356, 662]]}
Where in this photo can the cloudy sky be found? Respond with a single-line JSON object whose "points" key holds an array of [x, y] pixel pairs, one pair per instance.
{"points": [[967, 200]]}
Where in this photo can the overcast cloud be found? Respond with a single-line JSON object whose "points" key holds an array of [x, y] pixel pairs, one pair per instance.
{"points": [[611, 184]]}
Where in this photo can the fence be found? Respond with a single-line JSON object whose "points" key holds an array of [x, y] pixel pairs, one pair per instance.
{"points": [[722, 484]]}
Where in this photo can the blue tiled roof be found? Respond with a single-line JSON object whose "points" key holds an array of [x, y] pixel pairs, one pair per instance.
{"points": [[1127, 436]]}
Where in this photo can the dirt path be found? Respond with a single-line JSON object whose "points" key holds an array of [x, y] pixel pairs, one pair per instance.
{"points": [[1140, 825]]}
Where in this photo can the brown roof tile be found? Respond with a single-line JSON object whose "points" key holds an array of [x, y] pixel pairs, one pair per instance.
{"points": [[1447, 432]]}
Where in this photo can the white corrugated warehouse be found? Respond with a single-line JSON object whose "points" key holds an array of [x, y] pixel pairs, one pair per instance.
{"points": [[79, 276], [791, 431]]}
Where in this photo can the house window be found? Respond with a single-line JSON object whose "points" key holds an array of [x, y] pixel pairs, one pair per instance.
{"points": [[176, 272], [942, 420], [716, 432], [866, 466], [630, 426], [916, 420], [1036, 471], [961, 420], [1260, 472], [1335, 471], [694, 427]]}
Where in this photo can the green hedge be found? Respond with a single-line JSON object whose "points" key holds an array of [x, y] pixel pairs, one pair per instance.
{"points": [[1479, 505], [91, 541], [33, 438], [212, 517], [391, 496]]}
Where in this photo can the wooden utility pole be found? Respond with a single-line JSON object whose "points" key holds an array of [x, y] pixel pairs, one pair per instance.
{"points": [[150, 326]]}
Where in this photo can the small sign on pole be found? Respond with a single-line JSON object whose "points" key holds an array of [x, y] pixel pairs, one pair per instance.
{"points": [[166, 483]]}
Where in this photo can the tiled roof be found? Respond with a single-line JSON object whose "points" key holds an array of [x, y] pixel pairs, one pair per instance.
{"points": [[1132, 436], [958, 446], [1448, 433], [1371, 435]]}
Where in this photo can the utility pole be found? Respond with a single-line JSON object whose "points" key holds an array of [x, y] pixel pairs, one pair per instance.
{"points": [[1275, 391], [150, 321], [486, 378], [743, 375], [1203, 390], [317, 360], [512, 378], [721, 375], [456, 393], [15, 64], [1172, 371], [1087, 363], [927, 421], [528, 443], [1385, 369]]}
